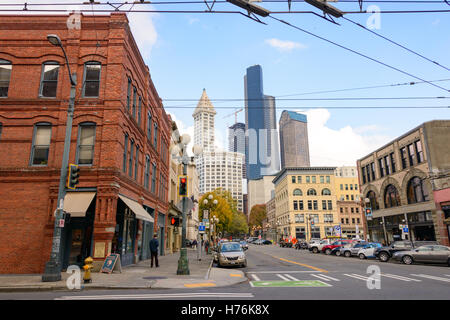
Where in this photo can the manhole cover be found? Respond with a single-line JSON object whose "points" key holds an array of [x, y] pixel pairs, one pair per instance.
{"points": [[154, 278]]}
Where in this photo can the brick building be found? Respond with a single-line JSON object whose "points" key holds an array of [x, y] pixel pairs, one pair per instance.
{"points": [[120, 138]]}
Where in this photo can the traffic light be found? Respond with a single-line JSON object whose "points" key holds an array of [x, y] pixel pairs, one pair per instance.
{"points": [[175, 221], [182, 186], [72, 177], [368, 211]]}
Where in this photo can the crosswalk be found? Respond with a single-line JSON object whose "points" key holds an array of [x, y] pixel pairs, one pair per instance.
{"points": [[277, 276], [188, 295]]}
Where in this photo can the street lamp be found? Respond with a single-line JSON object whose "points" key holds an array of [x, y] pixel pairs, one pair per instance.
{"points": [[53, 267], [183, 141], [206, 202]]}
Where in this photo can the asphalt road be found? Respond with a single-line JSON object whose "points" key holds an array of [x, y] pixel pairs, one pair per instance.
{"points": [[276, 273]]}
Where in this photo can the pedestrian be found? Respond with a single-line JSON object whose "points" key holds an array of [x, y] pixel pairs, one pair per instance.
{"points": [[194, 244], [154, 244], [206, 246]]}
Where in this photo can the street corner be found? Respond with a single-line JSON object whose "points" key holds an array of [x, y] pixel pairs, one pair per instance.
{"points": [[227, 276]]}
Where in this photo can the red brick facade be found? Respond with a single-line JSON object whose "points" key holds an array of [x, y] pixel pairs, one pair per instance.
{"points": [[28, 193]]}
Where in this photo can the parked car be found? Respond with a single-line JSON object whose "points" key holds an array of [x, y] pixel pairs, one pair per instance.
{"points": [[316, 247], [262, 242], [385, 253], [369, 250], [252, 239], [244, 244], [429, 253], [328, 249], [230, 254], [285, 244], [301, 245], [351, 249]]}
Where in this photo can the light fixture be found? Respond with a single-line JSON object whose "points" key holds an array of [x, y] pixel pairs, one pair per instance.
{"points": [[54, 40], [250, 7], [197, 150], [185, 139]]}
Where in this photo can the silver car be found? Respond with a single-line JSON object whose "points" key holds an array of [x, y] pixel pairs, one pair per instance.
{"points": [[430, 254], [230, 254]]}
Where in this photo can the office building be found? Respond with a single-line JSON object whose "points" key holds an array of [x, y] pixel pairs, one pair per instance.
{"points": [[294, 146]]}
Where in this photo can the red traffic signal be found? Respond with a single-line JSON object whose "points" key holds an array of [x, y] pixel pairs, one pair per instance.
{"points": [[182, 186], [175, 221]]}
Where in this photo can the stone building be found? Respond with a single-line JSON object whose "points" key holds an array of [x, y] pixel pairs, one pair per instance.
{"points": [[120, 140], [406, 183]]}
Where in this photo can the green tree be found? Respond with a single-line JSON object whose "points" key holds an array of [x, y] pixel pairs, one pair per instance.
{"points": [[257, 214], [238, 224]]}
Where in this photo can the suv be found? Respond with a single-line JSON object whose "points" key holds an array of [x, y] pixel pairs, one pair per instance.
{"points": [[316, 247], [385, 253], [328, 248], [351, 249]]}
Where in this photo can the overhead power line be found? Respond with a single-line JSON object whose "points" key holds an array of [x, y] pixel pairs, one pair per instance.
{"points": [[317, 99], [325, 107]]}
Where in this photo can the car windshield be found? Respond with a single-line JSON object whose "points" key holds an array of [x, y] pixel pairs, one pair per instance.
{"points": [[228, 247]]}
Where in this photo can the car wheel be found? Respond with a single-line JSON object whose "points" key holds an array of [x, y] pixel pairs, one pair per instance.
{"points": [[448, 262], [384, 257], [347, 254], [407, 260], [315, 250], [327, 251], [362, 256], [338, 253], [244, 265]]}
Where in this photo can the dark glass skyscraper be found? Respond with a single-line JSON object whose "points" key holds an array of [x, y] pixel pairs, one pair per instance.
{"points": [[261, 142]]}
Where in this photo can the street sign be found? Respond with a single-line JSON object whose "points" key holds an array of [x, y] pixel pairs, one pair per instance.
{"points": [[205, 214], [201, 228], [405, 230]]}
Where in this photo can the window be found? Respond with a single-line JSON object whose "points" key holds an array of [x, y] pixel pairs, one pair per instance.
{"points": [[314, 218], [295, 205], [147, 172], [381, 167], [351, 186], [309, 205], [372, 167], [419, 151], [342, 210], [49, 79], [91, 85], [328, 218], [312, 192], [153, 178], [299, 179], [315, 205], [391, 197], [411, 154], [326, 192], [342, 186], [322, 179], [86, 141], [330, 205], [125, 151], [293, 179], [308, 179], [149, 126], [300, 204], [139, 111], [299, 218], [346, 187], [356, 187], [155, 135], [416, 191], [363, 174], [134, 101], [403, 155], [130, 164], [136, 165], [342, 220], [298, 192], [358, 220], [324, 204], [5, 76], [392, 162], [128, 94], [327, 179], [352, 210], [313, 179], [373, 200], [41, 144]]}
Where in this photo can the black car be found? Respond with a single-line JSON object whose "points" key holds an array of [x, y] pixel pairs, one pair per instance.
{"points": [[285, 244], [385, 253], [301, 245]]}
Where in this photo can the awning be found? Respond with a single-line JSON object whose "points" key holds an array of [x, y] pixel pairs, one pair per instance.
{"points": [[76, 203], [137, 209]]}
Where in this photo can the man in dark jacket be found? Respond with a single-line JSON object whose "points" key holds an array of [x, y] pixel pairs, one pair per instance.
{"points": [[154, 250]]}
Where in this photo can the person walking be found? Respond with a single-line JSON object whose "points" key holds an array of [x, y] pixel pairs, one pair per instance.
{"points": [[206, 246], [154, 244]]}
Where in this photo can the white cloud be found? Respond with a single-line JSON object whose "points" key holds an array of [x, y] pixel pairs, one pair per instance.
{"points": [[283, 45], [193, 20], [339, 147]]}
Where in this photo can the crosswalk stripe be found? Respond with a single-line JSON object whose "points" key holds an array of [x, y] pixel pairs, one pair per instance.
{"points": [[291, 277], [356, 276], [325, 277], [393, 276], [431, 277], [282, 277], [320, 277], [255, 277]]}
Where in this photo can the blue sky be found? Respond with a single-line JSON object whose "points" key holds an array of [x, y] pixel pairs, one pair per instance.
{"points": [[189, 52]]}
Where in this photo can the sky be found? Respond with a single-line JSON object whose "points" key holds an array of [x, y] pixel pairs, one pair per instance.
{"points": [[187, 52]]}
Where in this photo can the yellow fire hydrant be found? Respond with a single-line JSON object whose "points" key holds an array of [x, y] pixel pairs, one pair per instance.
{"points": [[87, 269]]}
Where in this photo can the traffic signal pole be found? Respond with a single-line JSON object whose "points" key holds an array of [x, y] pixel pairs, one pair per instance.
{"points": [[183, 262], [53, 267]]}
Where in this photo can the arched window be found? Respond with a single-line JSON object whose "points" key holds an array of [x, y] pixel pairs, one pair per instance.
{"points": [[86, 143], [416, 191], [41, 144], [298, 192], [373, 200], [391, 197], [49, 79], [326, 192], [91, 81], [312, 192]]}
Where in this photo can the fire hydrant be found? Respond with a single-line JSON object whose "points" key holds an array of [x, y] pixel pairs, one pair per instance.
{"points": [[87, 269]]}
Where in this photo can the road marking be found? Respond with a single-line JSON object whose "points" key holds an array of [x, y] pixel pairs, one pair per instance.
{"points": [[235, 275], [302, 264], [431, 277], [198, 285], [255, 277], [282, 277], [356, 276], [284, 271], [289, 284], [160, 296], [324, 277], [291, 277], [393, 276]]}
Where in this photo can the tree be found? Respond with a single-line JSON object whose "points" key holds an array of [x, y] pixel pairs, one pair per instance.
{"points": [[257, 214], [222, 210], [238, 223]]}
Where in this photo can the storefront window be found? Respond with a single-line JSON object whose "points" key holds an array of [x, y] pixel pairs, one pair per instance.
{"points": [[391, 197]]}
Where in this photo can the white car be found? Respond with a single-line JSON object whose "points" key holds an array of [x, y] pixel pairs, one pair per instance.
{"points": [[317, 246], [368, 251]]}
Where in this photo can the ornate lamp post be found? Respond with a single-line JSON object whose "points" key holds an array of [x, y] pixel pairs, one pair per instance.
{"points": [[212, 202]]}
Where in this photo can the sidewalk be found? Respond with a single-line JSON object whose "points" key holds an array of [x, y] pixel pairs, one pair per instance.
{"points": [[138, 276]]}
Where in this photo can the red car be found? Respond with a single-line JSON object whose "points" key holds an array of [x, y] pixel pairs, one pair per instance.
{"points": [[328, 248]]}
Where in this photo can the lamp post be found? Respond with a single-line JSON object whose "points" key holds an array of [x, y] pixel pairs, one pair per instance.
{"points": [[53, 267], [213, 202], [183, 141]]}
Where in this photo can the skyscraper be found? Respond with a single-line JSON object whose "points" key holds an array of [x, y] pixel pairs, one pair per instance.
{"points": [[261, 143], [294, 140], [204, 123], [236, 142]]}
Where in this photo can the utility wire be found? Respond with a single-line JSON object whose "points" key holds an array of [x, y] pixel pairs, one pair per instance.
{"points": [[397, 44], [358, 53], [324, 107], [317, 99]]}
